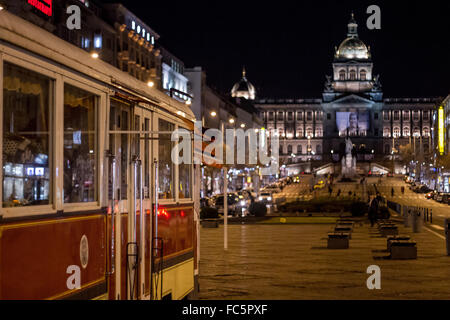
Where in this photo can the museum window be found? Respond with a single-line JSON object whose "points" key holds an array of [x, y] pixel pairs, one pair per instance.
{"points": [[396, 132], [80, 145], [27, 105], [406, 132], [386, 115], [416, 115], [270, 116], [352, 75], [299, 115], [318, 132], [280, 116], [309, 116], [426, 132], [386, 132], [425, 115], [289, 149], [290, 116], [362, 75], [166, 167], [396, 115], [342, 75], [406, 115], [299, 149]]}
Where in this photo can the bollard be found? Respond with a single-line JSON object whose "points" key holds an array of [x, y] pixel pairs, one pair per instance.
{"points": [[416, 221], [407, 217], [431, 215], [447, 238]]}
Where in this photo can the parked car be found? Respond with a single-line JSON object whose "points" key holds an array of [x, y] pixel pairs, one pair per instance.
{"points": [[390, 175], [438, 197], [232, 201], [429, 195], [273, 189], [446, 198], [266, 197]]}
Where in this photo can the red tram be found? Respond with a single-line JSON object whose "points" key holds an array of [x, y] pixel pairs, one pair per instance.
{"points": [[92, 205]]}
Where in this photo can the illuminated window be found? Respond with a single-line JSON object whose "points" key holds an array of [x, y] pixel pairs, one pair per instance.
{"points": [[27, 137], [396, 132], [133, 25], [386, 132], [426, 132], [342, 75], [406, 132]]}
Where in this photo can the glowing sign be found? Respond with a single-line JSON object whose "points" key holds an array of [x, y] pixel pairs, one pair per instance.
{"points": [[441, 129], [44, 6]]}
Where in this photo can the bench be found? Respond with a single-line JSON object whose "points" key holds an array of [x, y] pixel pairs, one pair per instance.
{"points": [[388, 230], [210, 223], [403, 249], [344, 228], [338, 240], [390, 239]]}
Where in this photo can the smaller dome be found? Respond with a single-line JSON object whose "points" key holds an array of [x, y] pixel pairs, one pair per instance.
{"points": [[243, 89]]}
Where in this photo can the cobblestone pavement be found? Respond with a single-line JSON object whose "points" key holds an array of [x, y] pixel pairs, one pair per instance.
{"points": [[292, 262]]}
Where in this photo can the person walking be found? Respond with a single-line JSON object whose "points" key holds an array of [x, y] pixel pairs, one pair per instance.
{"points": [[338, 193], [373, 210], [330, 190], [403, 190], [392, 192]]}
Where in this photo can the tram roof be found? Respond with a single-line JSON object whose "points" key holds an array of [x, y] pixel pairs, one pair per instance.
{"points": [[22, 33]]}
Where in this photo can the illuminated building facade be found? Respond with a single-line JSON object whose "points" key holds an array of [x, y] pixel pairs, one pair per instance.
{"points": [[352, 105]]}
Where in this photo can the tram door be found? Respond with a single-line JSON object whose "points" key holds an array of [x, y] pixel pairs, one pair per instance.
{"points": [[130, 199]]}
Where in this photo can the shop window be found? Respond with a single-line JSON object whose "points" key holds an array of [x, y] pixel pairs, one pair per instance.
{"points": [[80, 145], [27, 101]]}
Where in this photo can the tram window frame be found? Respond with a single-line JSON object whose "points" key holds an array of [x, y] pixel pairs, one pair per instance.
{"points": [[157, 153], [173, 120], [191, 172], [18, 211], [99, 103]]}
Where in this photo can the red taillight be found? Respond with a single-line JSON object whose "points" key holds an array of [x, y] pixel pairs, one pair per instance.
{"points": [[163, 213], [182, 214]]}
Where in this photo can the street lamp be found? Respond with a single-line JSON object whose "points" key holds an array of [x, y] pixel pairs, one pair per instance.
{"points": [[213, 113]]}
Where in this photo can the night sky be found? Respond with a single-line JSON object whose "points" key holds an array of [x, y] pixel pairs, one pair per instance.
{"points": [[287, 47]]}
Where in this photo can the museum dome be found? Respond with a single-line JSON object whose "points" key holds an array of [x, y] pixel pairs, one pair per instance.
{"points": [[243, 89], [352, 47]]}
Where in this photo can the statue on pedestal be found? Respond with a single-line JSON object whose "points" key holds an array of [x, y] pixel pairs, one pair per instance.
{"points": [[348, 161]]}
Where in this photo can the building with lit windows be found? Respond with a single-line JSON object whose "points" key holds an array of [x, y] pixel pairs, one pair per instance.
{"points": [[352, 106]]}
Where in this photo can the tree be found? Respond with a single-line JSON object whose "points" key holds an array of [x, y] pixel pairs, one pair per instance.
{"points": [[443, 161], [407, 153]]}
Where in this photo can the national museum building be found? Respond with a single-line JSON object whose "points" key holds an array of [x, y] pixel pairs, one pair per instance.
{"points": [[352, 105]]}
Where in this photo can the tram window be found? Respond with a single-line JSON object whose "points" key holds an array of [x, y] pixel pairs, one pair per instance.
{"points": [[166, 168], [146, 159], [185, 176], [80, 145], [27, 101]]}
